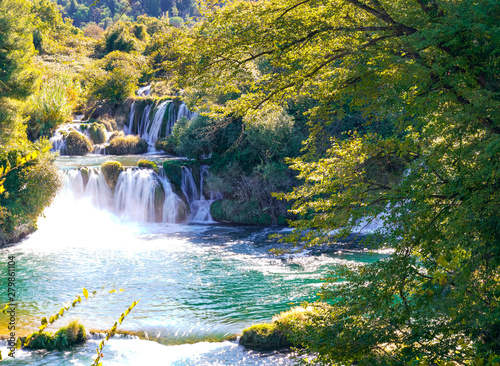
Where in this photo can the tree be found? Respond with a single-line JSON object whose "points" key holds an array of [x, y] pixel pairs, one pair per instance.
{"points": [[430, 66], [28, 179]]}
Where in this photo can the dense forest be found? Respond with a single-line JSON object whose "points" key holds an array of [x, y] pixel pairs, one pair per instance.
{"points": [[326, 115]]}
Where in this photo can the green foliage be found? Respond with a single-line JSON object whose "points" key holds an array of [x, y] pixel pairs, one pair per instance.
{"points": [[108, 122], [417, 83], [264, 337], [51, 105], [97, 133], [166, 144], [118, 38], [28, 184], [73, 334], [148, 164], [177, 22], [111, 171], [77, 144], [113, 86], [127, 145]]}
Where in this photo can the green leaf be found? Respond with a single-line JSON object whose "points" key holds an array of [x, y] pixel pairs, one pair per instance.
{"points": [[44, 321]]}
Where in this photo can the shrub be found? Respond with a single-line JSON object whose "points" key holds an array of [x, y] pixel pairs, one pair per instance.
{"points": [[118, 38], [127, 145], [77, 144], [51, 105], [111, 171], [28, 189], [74, 333], [114, 86], [166, 144], [177, 22], [116, 134], [147, 164], [264, 337], [97, 133]]}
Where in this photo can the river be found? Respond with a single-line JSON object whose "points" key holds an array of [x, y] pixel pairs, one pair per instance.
{"points": [[196, 283]]}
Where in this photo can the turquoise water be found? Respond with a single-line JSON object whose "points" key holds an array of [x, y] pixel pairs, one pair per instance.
{"points": [[194, 283]]}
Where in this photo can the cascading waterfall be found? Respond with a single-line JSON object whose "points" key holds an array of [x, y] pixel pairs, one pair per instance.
{"points": [[156, 121], [200, 206], [128, 129], [153, 132], [140, 195]]}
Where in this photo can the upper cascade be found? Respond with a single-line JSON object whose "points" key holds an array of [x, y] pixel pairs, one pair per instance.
{"points": [[153, 120]]}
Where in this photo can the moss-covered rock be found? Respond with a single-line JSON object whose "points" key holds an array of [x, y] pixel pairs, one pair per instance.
{"points": [[264, 337], [84, 171], [64, 338], [247, 213], [97, 133], [127, 145], [111, 171], [148, 164], [77, 144]]}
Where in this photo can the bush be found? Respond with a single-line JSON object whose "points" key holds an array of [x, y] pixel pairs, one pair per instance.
{"points": [[166, 144], [111, 171], [77, 144], [51, 105], [116, 134], [114, 86], [74, 333], [97, 133], [147, 164], [127, 145], [264, 337], [118, 38], [177, 22], [28, 190]]}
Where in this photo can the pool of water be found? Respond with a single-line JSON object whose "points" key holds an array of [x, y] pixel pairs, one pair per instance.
{"points": [[194, 283]]}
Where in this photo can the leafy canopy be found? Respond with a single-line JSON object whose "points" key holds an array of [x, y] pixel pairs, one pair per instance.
{"points": [[432, 68]]}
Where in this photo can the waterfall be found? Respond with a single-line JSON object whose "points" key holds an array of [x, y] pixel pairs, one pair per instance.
{"points": [[140, 195], [128, 130], [144, 122], [153, 132], [135, 195], [188, 186], [156, 121], [185, 112], [200, 206]]}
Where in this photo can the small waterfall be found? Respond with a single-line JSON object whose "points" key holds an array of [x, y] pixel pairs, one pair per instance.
{"points": [[142, 195], [156, 120], [135, 195], [200, 206], [128, 130], [189, 186], [98, 191], [185, 112], [153, 132], [144, 123]]}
